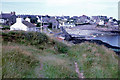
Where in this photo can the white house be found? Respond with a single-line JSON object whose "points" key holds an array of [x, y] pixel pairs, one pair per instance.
{"points": [[68, 25], [2, 21], [39, 19], [21, 24], [27, 19], [101, 22]]}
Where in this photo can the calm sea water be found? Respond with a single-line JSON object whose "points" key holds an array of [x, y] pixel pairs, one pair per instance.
{"points": [[113, 40]]}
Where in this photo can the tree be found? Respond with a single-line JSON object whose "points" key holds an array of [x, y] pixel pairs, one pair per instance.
{"points": [[118, 22], [33, 20], [39, 24], [114, 20]]}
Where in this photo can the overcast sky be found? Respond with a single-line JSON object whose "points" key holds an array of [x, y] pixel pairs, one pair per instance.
{"points": [[62, 7]]}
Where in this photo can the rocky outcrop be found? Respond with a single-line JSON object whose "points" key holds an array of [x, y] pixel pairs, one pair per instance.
{"points": [[67, 36]]}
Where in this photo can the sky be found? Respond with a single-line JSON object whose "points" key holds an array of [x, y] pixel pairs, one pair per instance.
{"points": [[62, 7]]}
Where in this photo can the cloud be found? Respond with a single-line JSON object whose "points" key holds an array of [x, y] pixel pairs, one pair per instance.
{"points": [[71, 7]]}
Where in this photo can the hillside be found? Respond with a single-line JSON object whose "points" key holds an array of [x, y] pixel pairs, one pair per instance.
{"points": [[35, 55]]}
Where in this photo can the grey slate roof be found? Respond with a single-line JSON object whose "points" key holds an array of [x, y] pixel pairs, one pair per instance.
{"points": [[5, 15], [28, 24]]}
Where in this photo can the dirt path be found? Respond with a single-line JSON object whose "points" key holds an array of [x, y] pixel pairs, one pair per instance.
{"points": [[80, 75]]}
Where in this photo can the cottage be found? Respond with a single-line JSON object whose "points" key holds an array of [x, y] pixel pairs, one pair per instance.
{"points": [[38, 19], [7, 18], [55, 23], [101, 22], [23, 25], [67, 25], [27, 19]]}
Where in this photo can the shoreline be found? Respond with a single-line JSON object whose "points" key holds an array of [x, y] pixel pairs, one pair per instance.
{"points": [[75, 40]]}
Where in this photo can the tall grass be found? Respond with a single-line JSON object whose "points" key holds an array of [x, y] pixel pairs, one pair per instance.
{"points": [[16, 64], [47, 58], [0, 57], [95, 61]]}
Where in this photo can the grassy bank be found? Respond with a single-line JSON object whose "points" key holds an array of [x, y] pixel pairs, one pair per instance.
{"points": [[35, 55]]}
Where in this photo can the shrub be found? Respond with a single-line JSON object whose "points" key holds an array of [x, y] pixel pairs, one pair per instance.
{"points": [[32, 38], [5, 27], [61, 47], [36, 38]]}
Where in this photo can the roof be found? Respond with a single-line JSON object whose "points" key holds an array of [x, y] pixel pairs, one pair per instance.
{"points": [[28, 24], [5, 15]]}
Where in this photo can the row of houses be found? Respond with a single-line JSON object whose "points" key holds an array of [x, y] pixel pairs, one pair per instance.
{"points": [[10, 18], [53, 22], [24, 25]]}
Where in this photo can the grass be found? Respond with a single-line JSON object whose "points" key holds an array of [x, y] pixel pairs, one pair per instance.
{"points": [[96, 61], [17, 64], [5, 27], [54, 66], [0, 57], [49, 58]]}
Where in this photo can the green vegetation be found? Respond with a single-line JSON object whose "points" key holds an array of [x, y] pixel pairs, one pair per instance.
{"points": [[25, 37], [39, 24], [17, 65], [5, 27], [35, 55], [0, 56]]}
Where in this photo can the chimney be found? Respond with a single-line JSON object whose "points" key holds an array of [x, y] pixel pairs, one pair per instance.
{"points": [[11, 12], [19, 20], [14, 13]]}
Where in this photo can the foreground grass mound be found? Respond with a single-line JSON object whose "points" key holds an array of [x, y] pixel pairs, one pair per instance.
{"points": [[16, 64], [20, 61], [35, 55], [95, 61]]}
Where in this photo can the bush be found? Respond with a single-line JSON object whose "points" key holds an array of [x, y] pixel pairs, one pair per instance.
{"points": [[36, 38], [61, 47], [32, 38], [39, 24], [5, 27]]}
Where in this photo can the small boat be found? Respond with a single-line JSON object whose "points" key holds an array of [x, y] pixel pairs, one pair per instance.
{"points": [[93, 35], [61, 38]]}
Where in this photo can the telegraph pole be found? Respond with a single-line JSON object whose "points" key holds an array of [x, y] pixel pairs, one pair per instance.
{"points": [[41, 24], [119, 15]]}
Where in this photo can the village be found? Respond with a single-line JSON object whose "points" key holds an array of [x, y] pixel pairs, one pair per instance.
{"points": [[61, 27], [56, 22], [59, 39]]}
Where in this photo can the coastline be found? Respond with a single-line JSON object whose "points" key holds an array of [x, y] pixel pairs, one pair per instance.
{"points": [[77, 35], [75, 40]]}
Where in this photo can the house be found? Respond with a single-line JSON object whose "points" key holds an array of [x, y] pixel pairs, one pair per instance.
{"points": [[75, 17], [83, 19], [7, 18], [101, 22], [55, 23], [67, 25], [27, 19], [21, 24], [39, 19]]}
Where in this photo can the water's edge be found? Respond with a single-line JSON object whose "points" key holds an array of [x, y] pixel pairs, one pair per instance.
{"points": [[99, 42]]}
